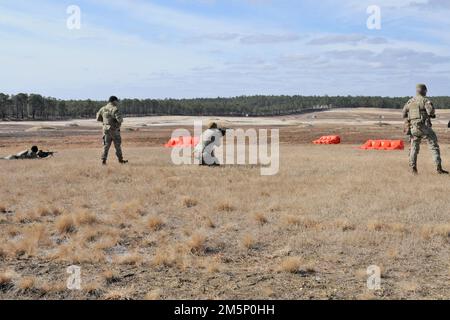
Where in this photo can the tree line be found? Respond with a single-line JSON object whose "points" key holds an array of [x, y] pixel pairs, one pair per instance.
{"points": [[24, 106]]}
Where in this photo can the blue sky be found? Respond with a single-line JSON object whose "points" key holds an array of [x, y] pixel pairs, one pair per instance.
{"points": [[210, 48]]}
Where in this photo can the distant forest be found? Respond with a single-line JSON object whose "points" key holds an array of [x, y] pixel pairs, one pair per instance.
{"points": [[36, 107]]}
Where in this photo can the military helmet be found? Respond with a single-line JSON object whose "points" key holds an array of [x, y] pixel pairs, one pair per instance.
{"points": [[113, 99], [421, 87], [212, 125], [34, 149]]}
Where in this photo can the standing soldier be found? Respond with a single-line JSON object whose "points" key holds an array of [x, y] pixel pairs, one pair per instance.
{"points": [[419, 111], [110, 116]]}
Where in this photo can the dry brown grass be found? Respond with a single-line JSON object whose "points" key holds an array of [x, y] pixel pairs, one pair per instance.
{"points": [[268, 292], [51, 287], [92, 288], [367, 296], [248, 242], [212, 265], [33, 237], [107, 241], [210, 223], [84, 217], [225, 207], [110, 277], [7, 280], [197, 243], [46, 211], [26, 217], [260, 218], [130, 210], [383, 226], [119, 294], [164, 258], [409, 286], [345, 225], [312, 220], [303, 222], [189, 202], [291, 265], [376, 226], [133, 258], [75, 253], [153, 295], [90, 234], [65, 224], [13, 231], [428, 231], [26, 283], [155, 223]]}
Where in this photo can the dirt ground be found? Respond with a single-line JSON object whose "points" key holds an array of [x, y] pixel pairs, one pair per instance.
{"points": [[153, 230]]}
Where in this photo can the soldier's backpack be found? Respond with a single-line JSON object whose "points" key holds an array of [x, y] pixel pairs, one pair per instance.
{"points": [[417, 109], [108, 117]]}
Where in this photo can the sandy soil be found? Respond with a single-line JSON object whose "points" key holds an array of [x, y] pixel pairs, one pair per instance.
{"points": [[356, 116]]}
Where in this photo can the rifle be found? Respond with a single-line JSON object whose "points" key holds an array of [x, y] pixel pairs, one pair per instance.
{"points": [[45, 154], [224, 131]]}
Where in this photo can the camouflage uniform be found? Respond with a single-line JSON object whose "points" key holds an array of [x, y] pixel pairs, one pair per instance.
{"points": [[418, 111], [112, 121], [205, 149], [209, 140], [26, 154]]}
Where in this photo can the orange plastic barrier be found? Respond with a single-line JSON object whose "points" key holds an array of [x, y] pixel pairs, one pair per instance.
{"points": [[182, 142], [383, 145], [328, 140]]}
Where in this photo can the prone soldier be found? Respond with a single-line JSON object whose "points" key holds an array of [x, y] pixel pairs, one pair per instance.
{"points": [[33, 153]]}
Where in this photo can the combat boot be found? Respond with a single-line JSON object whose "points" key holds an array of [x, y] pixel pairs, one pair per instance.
{"points": [[104, 162], [414, 171], [440, 170], [123, 161]]}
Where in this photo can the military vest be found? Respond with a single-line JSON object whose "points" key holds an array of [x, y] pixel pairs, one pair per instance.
{"points": [[417, 109]]}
